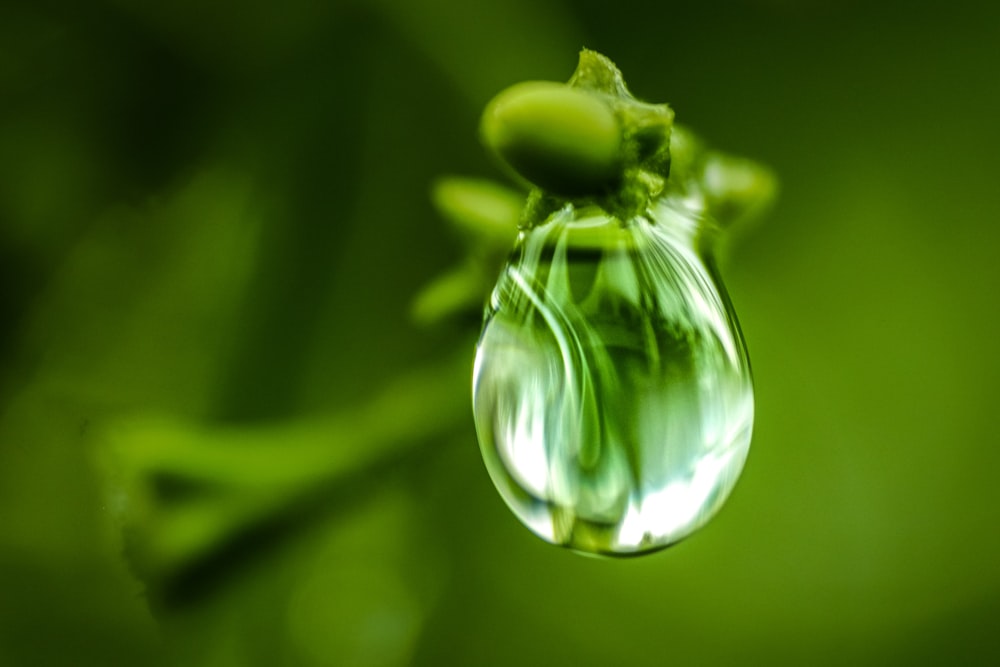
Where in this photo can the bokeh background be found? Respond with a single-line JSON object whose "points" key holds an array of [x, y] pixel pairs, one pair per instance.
{"points": [[223, 440]]}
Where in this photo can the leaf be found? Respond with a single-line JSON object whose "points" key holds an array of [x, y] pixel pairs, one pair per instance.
{"points": [[483, 210]]}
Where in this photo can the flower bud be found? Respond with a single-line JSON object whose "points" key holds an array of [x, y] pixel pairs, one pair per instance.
{"points": [[565, 140]]}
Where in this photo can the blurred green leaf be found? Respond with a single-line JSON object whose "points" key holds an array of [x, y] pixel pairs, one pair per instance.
{"points": [[460, 291], [484, 211], [737, 190]]}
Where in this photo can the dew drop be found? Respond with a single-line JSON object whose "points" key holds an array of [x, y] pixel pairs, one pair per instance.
{"points": [[612, 390]]}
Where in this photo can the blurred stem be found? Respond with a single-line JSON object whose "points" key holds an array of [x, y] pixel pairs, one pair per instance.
{"points": [[191, 497]]}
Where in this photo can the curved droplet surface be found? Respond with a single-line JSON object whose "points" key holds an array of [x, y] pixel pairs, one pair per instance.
{"points": [[612, 391]]}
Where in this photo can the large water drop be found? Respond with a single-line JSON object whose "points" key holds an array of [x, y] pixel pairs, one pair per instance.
{"points": [[612, 391]]}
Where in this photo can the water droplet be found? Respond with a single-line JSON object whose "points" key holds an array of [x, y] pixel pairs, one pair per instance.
{"points": [[612, 390]]}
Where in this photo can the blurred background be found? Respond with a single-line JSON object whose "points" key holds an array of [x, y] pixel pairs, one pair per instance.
{"points": [[223, 441]]}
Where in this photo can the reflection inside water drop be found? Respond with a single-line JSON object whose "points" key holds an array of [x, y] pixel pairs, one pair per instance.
{"points": [[612, 391]]}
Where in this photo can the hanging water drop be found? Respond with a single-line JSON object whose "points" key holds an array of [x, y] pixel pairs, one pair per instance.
{"points": [[612, 392]]}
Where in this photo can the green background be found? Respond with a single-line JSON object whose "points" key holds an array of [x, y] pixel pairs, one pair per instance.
{"points": [[214, 218]]}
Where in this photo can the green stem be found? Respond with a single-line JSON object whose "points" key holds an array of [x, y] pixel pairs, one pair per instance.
{"points": [[189, 495]]}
